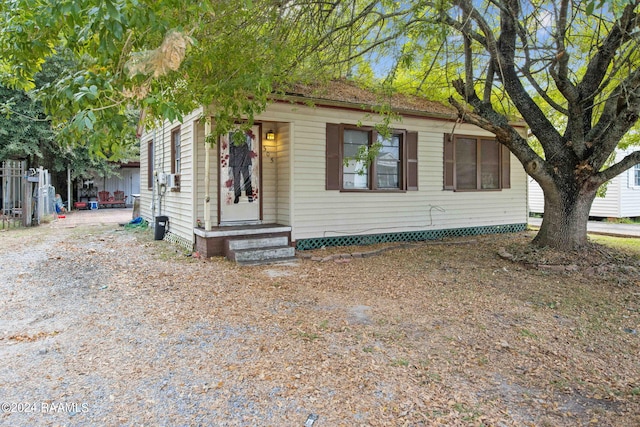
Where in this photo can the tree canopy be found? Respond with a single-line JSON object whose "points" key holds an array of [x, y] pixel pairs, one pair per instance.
{"points": [[24, 130], [167, 57]]}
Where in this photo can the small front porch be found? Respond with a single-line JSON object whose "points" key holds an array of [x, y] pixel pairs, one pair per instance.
{"points": [[246, 243]]}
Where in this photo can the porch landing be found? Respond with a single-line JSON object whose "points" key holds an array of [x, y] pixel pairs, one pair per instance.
{"points": [[214, 242]]}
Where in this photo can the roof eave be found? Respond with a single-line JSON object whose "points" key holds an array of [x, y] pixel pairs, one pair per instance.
{"points": [[405, 112]]}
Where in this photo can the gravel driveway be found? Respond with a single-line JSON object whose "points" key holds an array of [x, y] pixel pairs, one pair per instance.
{"points": [[93, 334], [101, 326]]}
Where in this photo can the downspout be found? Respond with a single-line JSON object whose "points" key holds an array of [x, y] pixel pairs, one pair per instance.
{"points": [[207, 175]]}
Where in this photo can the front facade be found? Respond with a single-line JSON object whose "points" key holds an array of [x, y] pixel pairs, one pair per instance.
{"points": [[432, 178]]}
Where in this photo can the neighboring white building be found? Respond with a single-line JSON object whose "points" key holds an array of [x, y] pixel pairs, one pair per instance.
{"points": [[622, 198], [126, 179], [433, 178]]}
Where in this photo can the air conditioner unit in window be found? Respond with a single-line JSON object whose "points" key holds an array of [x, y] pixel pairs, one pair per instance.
{"points": [[173, 181]]}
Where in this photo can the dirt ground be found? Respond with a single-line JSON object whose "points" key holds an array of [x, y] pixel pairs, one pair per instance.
{"points": [[104, 326]]}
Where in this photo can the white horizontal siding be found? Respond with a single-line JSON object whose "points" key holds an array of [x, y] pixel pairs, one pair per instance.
{"points": [[294, 182], [536, 196], [269, 178], [607, 206], [200, 182], [621, 199], [320, 213], [629, 193], [177, 205], [283, 211]]}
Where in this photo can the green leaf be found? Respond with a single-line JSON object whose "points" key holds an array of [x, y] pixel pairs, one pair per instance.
{"points": [[589, 8]]}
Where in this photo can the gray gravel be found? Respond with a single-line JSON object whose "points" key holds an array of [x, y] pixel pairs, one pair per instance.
{"points": [[101, 326], [86, 340]]}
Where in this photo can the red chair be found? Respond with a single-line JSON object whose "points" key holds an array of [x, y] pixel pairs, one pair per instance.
{"points": [[105, 199], [119, 199]]}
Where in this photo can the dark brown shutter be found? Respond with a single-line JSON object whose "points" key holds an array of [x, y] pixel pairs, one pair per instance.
{"points": [[334, 165], [412, 161], [506, 167], [150, 162], [449, 162]]}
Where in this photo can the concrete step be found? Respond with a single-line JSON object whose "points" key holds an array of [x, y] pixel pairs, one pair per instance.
{"points": [[262, 255], [260, 242], [284, 261]]}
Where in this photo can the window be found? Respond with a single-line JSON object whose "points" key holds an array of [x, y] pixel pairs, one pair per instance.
{"points": [[175, 151], [475, 164], [150, 164], [176, 159], [394, 168], [388, 162], [355, 175], [636, 171]]}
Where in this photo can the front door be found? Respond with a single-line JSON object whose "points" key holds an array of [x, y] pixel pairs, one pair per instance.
{"points": [[240, 177]]}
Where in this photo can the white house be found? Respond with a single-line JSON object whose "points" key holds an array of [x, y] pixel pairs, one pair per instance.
{"points": [[621, 200], [434, 177]]}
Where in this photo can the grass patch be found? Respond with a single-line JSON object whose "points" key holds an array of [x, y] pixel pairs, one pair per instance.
{"points": [[623, 220], [308, 336], [527, 333], [400, 362], [629, 244]]}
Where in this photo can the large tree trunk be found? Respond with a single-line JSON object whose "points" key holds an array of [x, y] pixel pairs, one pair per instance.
{"points": [[566, 213]]}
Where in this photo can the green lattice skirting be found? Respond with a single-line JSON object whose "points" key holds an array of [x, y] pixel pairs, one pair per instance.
{"points": [[408, 236], [178, 240]]}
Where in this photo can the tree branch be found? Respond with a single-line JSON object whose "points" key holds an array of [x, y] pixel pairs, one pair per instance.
{"points": [[468, 58], [502, 52], [559, 69], [598, 66], [488, 83], [614, 128], [616, 169], [485, 116], [497, 124]]}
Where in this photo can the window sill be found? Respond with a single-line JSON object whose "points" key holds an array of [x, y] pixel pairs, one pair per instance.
{"points": [[356, 190], [482, 190]]}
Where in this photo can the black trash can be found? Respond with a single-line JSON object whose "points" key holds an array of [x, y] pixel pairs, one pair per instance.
{"points": [[161, 227]]}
